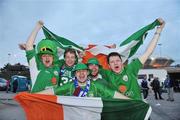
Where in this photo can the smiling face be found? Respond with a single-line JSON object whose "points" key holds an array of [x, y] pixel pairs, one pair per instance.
{"points": [[81, 75], [70, 59], [94, 69], [115, 63], [47, 60]]}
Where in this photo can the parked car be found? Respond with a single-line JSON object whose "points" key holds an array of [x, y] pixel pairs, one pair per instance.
{"points": [[3, 84]]}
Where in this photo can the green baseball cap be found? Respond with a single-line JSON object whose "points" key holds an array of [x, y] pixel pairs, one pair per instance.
{"points": [[93, 61], [80, 66]]}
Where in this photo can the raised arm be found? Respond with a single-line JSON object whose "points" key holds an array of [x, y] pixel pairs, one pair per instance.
{"points": [[31, 39], [153, 42]]}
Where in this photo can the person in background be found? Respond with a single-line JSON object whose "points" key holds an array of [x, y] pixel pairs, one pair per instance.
{"points": [[169, 86], [149, 84], [8, 86], [156, 88], [15, 85], [144, 86]]}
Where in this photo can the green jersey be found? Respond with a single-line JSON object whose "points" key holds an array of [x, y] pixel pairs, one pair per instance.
{"points": [[96, 89], [66, 74], [41, 77], [126, 81]]}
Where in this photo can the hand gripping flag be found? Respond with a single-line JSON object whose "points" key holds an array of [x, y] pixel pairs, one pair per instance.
{"points": [[127, 48], [51, 107]]}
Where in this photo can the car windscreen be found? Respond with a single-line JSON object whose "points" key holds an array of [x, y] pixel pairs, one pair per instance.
{"points": [[2, 80]]}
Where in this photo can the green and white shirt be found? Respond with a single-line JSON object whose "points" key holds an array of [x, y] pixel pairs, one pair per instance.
{"points": [[126, 81], [41, 77], [66, 75]]}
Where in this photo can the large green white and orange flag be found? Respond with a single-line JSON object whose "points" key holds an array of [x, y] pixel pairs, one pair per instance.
{"points": [[126, 48], [51, 107]]}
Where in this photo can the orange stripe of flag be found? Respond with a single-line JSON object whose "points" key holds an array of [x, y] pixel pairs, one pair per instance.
{"points": [[40, 107]]}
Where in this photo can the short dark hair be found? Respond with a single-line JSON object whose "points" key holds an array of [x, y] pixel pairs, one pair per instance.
{"points": [[70, 50], [113, 54]]}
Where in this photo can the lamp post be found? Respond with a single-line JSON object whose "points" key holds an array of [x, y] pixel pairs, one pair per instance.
{"points": [[160, 49], [9, 55]]}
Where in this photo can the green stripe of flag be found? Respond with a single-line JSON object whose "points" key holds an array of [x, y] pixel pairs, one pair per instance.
{"points": [[61, 42], [139, 36], [115, 109]]}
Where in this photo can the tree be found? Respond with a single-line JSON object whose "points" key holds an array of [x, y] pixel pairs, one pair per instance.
{"points": [[17, 69]]}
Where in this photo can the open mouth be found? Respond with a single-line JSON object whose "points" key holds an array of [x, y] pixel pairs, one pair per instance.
{"points": [[82, 77], [47, 61], [116, 67]]}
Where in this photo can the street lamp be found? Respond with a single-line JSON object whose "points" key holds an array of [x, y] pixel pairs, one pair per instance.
{"points": [[9, 55], [160, 44]]}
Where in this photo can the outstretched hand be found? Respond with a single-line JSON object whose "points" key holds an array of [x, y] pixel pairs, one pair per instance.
{"points": [[22, 46], [162, 22], [40, 24], [113, 46], [161, 26]]}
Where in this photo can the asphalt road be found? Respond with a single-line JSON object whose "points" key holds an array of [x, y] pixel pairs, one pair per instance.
{"points": [[165, 110], [11, 111]]}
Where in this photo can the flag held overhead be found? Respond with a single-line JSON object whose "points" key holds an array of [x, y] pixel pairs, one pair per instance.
{"points": [[127, 48], [63, 43]]}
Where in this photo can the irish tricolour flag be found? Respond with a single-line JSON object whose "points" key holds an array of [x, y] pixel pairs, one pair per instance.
{"points": [[126, 48], [51, 107]]}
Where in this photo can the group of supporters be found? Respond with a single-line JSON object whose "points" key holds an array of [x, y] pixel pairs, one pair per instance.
{"points": [[69, 77]]}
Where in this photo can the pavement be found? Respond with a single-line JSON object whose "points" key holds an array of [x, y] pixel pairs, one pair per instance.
{"points": [[161, 109], [10, 109], [6, 96]]}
